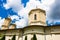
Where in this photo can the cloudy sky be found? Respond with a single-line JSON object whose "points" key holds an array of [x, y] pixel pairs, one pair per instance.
{"points": [[18, 11]]}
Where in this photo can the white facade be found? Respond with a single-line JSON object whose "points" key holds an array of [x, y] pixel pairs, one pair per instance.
{"points": [[41, 32]]}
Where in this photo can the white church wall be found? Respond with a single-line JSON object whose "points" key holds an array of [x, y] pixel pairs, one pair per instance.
{"points": [[12, 32], [37, 24], [55, 36], [48, 37], [23, 37], [20, 38], [51, 33], [33, 30], [55, 29], [40, 37], [29, 36], [8, 37], [17, 37]]}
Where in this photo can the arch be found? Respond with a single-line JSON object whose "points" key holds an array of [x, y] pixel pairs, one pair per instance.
{"points": [[34, 37]]}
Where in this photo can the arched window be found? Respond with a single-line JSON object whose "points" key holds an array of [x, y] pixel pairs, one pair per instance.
{"points": [[25, 37], [35, 17], [34, 37]]}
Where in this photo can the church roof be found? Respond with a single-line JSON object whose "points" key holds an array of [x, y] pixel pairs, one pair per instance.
{"points": [[39, 10], [33, 27]]}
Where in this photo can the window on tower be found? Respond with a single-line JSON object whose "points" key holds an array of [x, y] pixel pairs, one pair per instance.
{"points": [[35, 17]]}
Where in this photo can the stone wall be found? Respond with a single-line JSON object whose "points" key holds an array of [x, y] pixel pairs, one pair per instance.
{"points": [[42, 33]]}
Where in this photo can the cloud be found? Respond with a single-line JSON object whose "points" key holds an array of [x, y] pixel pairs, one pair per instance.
{"points": [[32, 4], [14, 4], [23, 11], [14, 17], [54, 13], [48, 2], [16, 7], [21, 23]]}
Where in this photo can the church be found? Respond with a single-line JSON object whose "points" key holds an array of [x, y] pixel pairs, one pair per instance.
{"points": [[36, 26]]}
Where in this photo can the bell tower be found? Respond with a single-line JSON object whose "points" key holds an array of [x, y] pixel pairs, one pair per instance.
{"points": [[6, 23], [37, 17], [12, 26]]}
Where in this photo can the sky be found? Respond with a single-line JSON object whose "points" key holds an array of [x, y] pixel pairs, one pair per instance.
{"points": [[18, 10]]}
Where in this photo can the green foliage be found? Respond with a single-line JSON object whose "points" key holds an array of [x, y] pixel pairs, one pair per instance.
{"points": [[34, 37], [1, 35], [25, 37], [3, 38], [13, 37]]}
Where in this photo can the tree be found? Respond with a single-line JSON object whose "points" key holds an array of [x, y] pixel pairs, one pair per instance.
{"points": [[34, 37], [3, 38], [25, 37], [13, 37]]}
